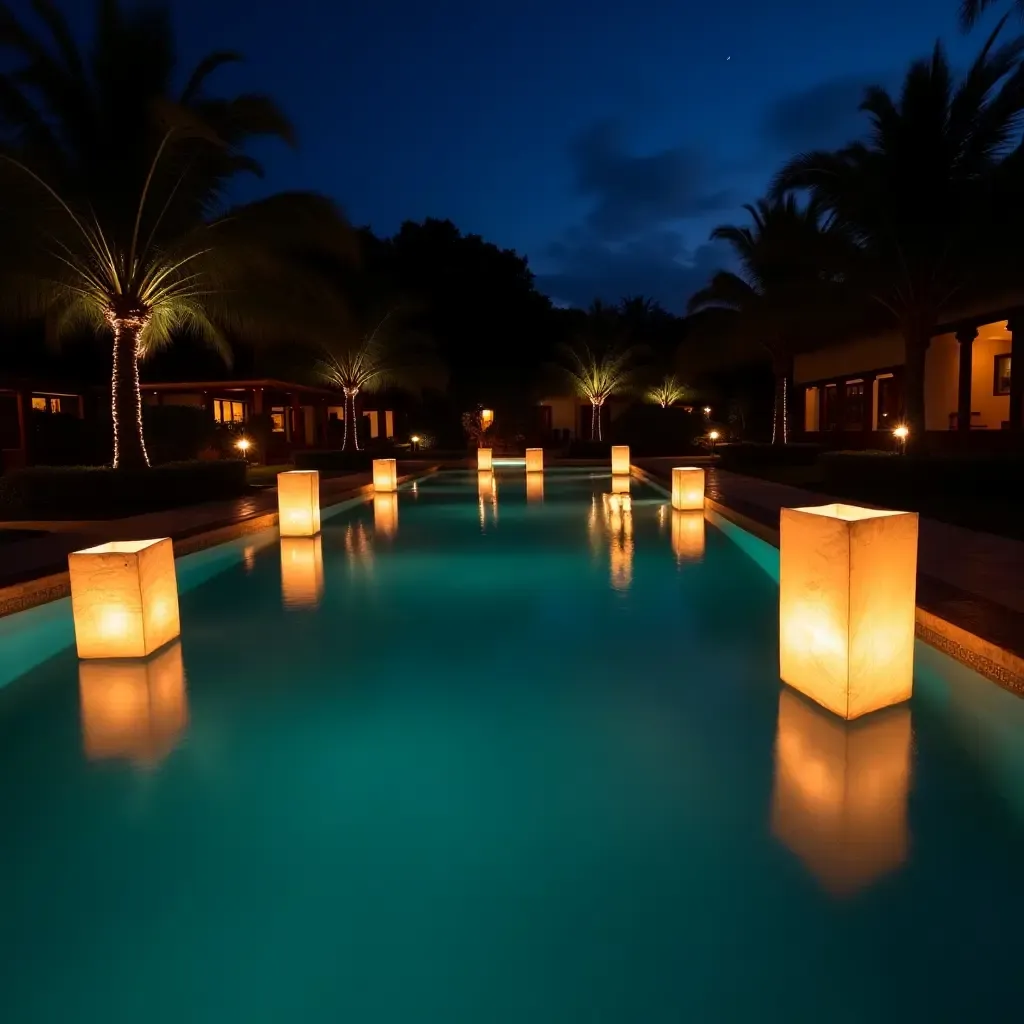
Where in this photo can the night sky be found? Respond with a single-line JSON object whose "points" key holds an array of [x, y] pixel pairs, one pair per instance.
{"points": [[604, 146]]}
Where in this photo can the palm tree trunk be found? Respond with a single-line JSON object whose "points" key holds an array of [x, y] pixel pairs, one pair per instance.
{"points": [[125, 399], [595, 422], [350, 400], [916, 340]]}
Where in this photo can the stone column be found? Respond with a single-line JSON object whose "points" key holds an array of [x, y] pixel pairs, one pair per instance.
{"points": [[1015, 325], [965, 336]]}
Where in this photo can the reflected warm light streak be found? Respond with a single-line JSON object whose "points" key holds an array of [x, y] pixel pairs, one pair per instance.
{"points": [[840, 794], [302, 571], [133, 710], [688, 535], [385, 514], [534, 486], [620, 483], [487, 493]]}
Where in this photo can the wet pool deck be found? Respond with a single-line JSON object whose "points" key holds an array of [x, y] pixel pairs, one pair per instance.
{"points": [[970, 598]]}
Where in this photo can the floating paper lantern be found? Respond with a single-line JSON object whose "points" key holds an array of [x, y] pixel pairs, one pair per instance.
{"points": [[687, 535], [385, 475], [385, 514], [136, 710], [124, 598], [534, 486], [618, 502], [846, 605], [534, 460], [620, 484], [483, 459], [620, 459], [298, 503], [302, 571], [839, 800], [687, 488]]}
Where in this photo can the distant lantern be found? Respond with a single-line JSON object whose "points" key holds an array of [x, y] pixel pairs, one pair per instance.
{"points": [[486, 418], [846, 605], [385, 475], [620, 484], [534, 460], [620, 459], [135, 710], [302, 571], [385, 514], [124, 598], [618, 502], [688, 488], [839, 800], [298, 503], [483, 459], [535, 487], [688, 535]]}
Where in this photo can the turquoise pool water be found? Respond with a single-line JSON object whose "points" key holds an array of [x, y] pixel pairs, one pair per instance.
{"points": [[497, 758]]}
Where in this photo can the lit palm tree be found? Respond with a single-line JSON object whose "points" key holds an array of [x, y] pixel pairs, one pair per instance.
{"points": [[596, 376], [112, 211], [916, 197], [667, 393]]}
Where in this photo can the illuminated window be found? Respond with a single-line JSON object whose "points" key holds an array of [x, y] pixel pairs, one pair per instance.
{"points": [[228, 412], [853, 407], [277, 420], [40, 403], [1002, 376]]}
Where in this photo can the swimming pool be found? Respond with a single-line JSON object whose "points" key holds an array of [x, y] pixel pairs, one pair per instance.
{"points": [[493, 755]]}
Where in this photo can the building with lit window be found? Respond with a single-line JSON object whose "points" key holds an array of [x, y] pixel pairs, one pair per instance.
{"points": [[20, 400]]}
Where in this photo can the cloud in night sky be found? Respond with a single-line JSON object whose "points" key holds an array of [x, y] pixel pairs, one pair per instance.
{"points": [[824, 116]]}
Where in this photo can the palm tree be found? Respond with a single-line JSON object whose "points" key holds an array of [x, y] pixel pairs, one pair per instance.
{"points": [[916, 197], [668, 392], [383, 356], [597, 375], [972, 10], [784, 284], [113, 211]]}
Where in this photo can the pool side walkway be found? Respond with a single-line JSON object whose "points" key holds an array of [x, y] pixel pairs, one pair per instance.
{"points": [[970, 597]]}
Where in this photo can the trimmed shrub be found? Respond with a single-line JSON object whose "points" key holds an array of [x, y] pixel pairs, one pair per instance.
{"points": [[650, 430], [749, 455], [99, 492], [590, 450], [177, 433], [336, 460]]}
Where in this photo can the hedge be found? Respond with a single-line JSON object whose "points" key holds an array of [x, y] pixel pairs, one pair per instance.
{"points": [[335, 460], [99, 492], [747, 454]]}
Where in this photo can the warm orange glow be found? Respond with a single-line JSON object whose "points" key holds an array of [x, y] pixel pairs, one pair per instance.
{"points": [[385, 475], [688, 535], [487, 490], [483, 459], [901, 433], [534, 460], [621, 484], [688, 487], [840, 795], [620, 549], [302, 571], [486, 418], [243, 444], [298, 503], [714, 435], [385, 514], [124, 598], [620, 459], [136, 710], [618, 502], [534, 486], [846, 605]]}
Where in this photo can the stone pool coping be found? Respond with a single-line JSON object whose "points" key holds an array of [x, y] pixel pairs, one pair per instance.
{"points": [[996, 655]]}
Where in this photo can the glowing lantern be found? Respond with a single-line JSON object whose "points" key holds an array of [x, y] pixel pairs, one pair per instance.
{"points": [[483, 459], [298, 503], [687, 487], [687, 535], [302, 571], [840, 795], [620, 484], [124, 598], [486, 418], [620, 459], [385, 475], [846, 605], [618, 502], [535, 487], [534, 460], [135, 710], [385, 514]]}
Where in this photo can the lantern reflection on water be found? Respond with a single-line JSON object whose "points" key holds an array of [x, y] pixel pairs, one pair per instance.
{"points": [[133, 710], [534, 486], [302, 571], [688, 535], [840, 793], [620, 484], [385, 514]]}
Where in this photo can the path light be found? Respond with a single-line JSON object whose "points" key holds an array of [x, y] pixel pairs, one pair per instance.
{"points": [[302, 571], [385, 475], [298, 503], [534, 486], [846, 605], [124, 598], [620, 459], [839, 799], [385, 514], [687, 535], [713, 438], [483, 459], [243, 444], [621, 484], [901, 433], [136, 710], [688, 488], [534, 460]]}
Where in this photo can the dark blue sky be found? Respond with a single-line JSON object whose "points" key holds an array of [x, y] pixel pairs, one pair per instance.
{"points": [[602, 139]]}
